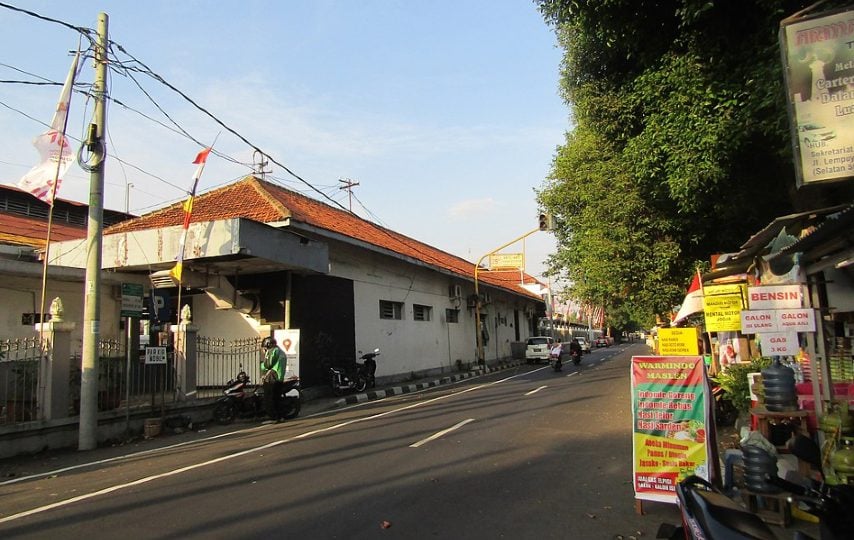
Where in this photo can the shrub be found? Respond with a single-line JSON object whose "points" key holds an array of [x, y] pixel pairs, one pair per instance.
{"points": [[735, 384]]}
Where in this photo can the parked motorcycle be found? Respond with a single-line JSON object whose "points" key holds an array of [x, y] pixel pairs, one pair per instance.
{"points": [[708, 514], [356, 377], [239, 400]]}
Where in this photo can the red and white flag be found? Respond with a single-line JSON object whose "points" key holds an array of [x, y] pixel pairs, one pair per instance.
{"points": [[693, 302], [44, 179]]}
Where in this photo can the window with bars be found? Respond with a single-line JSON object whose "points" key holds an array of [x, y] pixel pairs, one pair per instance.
{"points": [[452, 315], [421, 313], [391, 310]]}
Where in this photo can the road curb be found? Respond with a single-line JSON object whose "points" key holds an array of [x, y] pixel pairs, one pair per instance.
{"points": [[416, 387]]}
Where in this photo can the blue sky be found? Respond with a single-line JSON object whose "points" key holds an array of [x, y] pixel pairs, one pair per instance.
{"points": [[447, 113]]}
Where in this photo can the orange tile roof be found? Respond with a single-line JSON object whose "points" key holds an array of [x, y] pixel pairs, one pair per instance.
{"points": [[28, 231], [265, 202]]}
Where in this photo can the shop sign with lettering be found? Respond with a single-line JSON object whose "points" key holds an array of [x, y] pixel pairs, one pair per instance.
{"points": [[775, 297], [779, 343]]}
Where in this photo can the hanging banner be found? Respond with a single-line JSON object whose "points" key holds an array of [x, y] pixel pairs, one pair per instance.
{"points": [[670, 423], [819, 69]]}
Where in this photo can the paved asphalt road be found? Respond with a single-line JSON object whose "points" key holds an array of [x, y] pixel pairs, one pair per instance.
{"points": [[521, 453]]}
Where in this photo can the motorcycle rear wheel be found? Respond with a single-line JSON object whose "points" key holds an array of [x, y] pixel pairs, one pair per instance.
{"points": [[361, 383], [224, 412], [289, 408]]}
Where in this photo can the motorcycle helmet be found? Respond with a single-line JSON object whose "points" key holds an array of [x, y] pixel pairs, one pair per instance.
{"points": [[268, 343]]}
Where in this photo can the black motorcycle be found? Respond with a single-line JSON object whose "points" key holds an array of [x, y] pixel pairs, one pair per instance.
{"points": [[708, 514], [355, 377], [239, 400]]}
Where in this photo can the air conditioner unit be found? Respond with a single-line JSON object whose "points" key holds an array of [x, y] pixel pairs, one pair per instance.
{"points": [[455, 291], [486, 298]]}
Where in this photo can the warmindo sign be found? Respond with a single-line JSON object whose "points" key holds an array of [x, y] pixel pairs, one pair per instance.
{"points": [[818, 57], [670, 416]]}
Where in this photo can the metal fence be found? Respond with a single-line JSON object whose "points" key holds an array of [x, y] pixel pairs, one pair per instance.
{"points": [[21, 362], [122, 383], [218, 360]]}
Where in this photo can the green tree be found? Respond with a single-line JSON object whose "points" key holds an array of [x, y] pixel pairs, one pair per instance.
{"points": [[680, 145]]}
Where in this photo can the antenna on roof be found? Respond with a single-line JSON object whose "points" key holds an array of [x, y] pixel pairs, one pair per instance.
{"points": [[259, 163], [348, 185]]}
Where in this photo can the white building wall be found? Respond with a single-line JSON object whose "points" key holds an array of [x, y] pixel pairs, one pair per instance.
{"points": [[20, 295], [408, 345], [228, 324]]}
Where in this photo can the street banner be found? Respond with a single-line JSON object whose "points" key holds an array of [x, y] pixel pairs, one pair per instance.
{"points": [[670, 424], [819, 69]]}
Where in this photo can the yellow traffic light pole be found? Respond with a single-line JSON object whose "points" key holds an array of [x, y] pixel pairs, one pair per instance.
{"points": [[478, 330]]}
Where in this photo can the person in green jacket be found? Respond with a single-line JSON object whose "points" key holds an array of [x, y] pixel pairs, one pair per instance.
{"points": [[273, 367]]}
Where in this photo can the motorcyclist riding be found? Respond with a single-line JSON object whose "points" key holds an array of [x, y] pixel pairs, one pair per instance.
{"points": [[273, 367], [575, 350]]}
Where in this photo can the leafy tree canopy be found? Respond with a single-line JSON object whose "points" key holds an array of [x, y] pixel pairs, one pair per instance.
{"points": [[680, 146]]}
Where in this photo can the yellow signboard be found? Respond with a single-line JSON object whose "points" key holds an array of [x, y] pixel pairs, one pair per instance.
{"points": [[498, 261], [722, 305], [678, 342]]}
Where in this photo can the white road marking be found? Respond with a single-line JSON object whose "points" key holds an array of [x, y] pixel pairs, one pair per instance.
{"points": [[535, 390], [273, 444], [441, 433], [573, 373]]}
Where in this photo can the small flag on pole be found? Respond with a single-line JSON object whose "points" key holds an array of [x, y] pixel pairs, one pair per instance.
{"points": [[693, 302], [188, 211], [44, 179]]}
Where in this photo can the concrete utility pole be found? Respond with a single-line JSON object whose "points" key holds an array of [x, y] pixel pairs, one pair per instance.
{"points": [[87, 436]]}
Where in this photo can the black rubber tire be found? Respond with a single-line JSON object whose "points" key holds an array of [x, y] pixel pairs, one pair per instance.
{"points": [[289, 408], [557, 366], [361, 383], [224, 413], [576, 360]]}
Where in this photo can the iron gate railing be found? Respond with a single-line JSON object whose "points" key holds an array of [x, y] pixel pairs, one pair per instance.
{"points": [[218, 360], [21, 362]]}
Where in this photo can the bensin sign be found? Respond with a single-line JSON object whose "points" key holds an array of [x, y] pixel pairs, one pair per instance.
{"points": [[775, 297], [819, 68]]}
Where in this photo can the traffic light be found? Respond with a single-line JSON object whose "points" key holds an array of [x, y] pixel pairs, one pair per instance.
{"points": [[545, 222]]}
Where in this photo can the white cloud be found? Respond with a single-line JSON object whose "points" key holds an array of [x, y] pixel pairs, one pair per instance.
{"points": [[473, 208]]}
